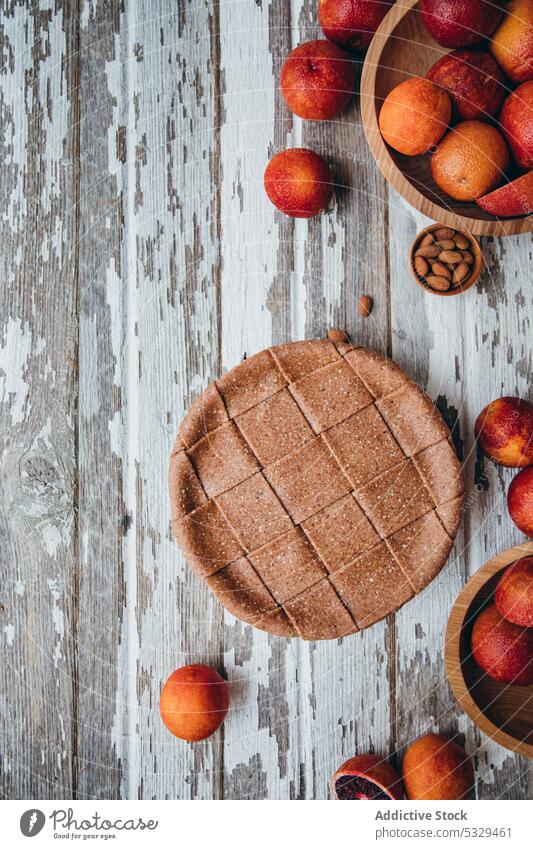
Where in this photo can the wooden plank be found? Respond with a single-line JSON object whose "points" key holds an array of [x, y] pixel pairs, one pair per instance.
{"points": [[38, 391], [105, 512], [456, 348], [265, 748], [173, 166]]}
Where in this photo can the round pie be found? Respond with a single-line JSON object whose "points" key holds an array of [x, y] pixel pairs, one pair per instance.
{"points": [[315, 489]]}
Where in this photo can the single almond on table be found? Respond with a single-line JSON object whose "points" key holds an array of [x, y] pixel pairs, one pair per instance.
{"points": [[451, 256], [335, 335], [421, 266], [438, 283], [364, 307]]}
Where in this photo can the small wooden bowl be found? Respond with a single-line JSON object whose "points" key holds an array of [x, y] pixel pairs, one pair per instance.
{"points": [[477, 265], [502, 711], [400, 49]]}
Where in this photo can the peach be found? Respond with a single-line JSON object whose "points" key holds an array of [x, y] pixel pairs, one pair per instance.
{"points": [[474, 82], [352, 22], [520, 502], [414, 116], [503, 651], [194, 702], [298, 182], [504, 431], [366, 777], [317, 80], [516, 121], [460, 23], [512, 43], [435, 767], [514, 592], [511, 200]]}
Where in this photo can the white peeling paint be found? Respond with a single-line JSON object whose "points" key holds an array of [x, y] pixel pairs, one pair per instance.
{"points": [[52, 538], [58, 619], [14, 356], [116, 435], [88, 10], [9, 631], [114, 301]]}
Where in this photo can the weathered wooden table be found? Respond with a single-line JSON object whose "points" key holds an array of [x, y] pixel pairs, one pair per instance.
{"points": [[140, 258]]}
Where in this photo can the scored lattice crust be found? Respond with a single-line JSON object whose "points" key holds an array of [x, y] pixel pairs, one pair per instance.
{"points": [[315, 489]]}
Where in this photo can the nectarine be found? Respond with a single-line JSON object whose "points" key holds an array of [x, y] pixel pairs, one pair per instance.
{"points": [[317, 80], [514, 592], [194, 702], [298, 182], [474, 82], [516, 121], [504, 651], [460, 23], [510, 200], [435, 767], [352, 22], [504, 431], [520, 501]]}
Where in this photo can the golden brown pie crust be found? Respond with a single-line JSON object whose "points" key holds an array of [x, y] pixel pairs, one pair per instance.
{"points": [[315, 489]]}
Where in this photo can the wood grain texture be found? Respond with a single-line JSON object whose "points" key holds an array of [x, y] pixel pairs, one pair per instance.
{"points": [[38, 397], [174, 163], [141, 259]]}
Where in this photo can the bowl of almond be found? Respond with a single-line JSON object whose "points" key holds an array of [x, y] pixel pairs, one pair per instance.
{"points": [[445, 261]]}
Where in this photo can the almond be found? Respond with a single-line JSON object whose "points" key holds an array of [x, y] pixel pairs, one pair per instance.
{"points": [[451, 256], [337, 336], [364, 307], [428, 251], [438, 283], [443, 233], [467, 257], [441, 270], [461, 273], [421, 266], [446, 244], [461, 242], [427, 240]]}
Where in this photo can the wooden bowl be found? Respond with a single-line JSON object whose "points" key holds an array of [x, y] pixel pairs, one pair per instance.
{"points": [[502, 711], [477, 265], [402, 48]]}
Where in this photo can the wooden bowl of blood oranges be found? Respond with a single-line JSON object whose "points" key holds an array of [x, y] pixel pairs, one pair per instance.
{"points": [[503, 711], [401, 49]]}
